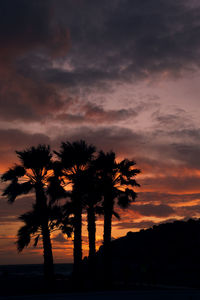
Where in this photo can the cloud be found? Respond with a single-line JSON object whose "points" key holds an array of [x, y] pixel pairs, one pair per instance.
{"points": [[153, 150], [90, 113], [189, 211], [161, 210], [28, 28], [122, 140], [25, 26], [178, 120], [10, 212], [14, 139], [60, 238], [172, 184], [127, 40], [110, 43], [150, 197], [134, 225], [144, 224]]}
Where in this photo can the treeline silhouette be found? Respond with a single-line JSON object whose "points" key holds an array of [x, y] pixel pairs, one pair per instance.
{"points": [[167, 254], [88, 182]]}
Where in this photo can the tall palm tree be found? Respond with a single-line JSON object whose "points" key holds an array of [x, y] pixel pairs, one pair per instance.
{"points": [[118, 181], [91, 195], [34, 171], [75, 158]]}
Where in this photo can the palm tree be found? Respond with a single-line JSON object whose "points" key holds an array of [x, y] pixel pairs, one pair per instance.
{"points": [[34, 171], [32, 227], [75, 158], [91, 195], [117, 181]]}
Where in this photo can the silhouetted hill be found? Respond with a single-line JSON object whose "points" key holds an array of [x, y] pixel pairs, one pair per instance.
{"points": [[165, 254]]}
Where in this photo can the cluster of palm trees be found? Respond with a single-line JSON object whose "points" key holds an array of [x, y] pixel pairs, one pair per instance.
{"points": [[77, 180]]}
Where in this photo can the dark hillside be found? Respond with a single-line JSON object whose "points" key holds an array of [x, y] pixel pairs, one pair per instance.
{"points": [[165, 254]]}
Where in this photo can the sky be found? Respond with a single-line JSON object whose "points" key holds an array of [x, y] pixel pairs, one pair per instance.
{"points": [[123, 75]]}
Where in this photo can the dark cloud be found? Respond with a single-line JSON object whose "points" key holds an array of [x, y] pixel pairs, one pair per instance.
{"points": [[170, 165], [154, 150], [144, 224], [161, 210], [148, 197], [14, 139], [189, 154], [60, 238], [128, 39], [173, 184], [172, 147], [93, 113], [26, 100], [134, 225], [29, 25], [189, 211], [110, 42], [175, 121], [122, 140], [9, 213], [27, 28]]}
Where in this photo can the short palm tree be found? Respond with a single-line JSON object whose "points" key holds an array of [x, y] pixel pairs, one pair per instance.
{"points": [[118, 181], [75, 158], [32, 227], [34, 171]]}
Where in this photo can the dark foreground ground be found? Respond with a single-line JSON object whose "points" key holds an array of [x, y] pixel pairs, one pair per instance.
{"points": [[120, 295], [22, 288]]}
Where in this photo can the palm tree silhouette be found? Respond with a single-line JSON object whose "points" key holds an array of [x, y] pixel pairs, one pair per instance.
{"points": [[117, 181], [32, 227], [75, 158], [34, 171], [92, 205], [91, 194]]}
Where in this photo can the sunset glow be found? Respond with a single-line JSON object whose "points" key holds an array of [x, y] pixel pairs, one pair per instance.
{"points": [[122, 75]]}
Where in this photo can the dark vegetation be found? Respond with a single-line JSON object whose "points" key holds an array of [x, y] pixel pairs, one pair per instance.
{"points": [[88, 182], [79, 180], [167, 254]]}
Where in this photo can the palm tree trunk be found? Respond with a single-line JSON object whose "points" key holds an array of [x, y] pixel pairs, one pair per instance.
{"points": [[108, 208], [41, 204], [48, 255], [92, 241], [91, 232], [77, 242]]}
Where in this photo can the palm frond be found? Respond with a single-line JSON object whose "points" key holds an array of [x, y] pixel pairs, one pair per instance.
{"points": [[36, 240], [23, 237], [55, 190], [28, 230], [31, 219], [36, 158], [116, 215], [128, 181], [123, 200], [15, 189], [126, 197], [66, 229], [13, 173], [77, 153], [105, 162]]}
